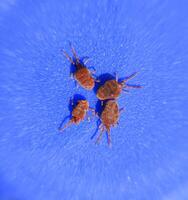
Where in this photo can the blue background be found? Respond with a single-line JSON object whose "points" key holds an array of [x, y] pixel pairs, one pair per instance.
{"points": [[148, 159]]}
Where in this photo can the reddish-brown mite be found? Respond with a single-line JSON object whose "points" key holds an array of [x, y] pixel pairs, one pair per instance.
{"points": [[82, 75], [112, 88], [109, 117], [78, 114]]}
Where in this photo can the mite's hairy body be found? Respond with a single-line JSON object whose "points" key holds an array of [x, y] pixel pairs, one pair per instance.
{"points": [[110, 114], [78, 114], [112, 88], [109, 117], [82, 75], [84, 78]]}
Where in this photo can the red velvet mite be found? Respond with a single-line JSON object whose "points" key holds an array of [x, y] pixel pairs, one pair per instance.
{"points": [[109, 117], [112, 88], [78, 113], [82, 75]]}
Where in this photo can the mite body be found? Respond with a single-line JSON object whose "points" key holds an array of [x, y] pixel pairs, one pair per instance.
{"points": [[109, 117], [82, 74], [78, 114], [112, 88]]}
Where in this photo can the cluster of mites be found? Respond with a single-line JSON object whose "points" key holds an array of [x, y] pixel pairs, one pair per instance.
{"points": [[107, 94]]}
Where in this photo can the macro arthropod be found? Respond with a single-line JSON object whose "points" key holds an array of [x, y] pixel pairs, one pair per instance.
{"points": [[112, 88], [109, 118], [78, 114], [82, 74]]}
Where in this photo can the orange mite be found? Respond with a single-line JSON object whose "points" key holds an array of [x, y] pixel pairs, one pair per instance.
{"points": [[112, 88], [78, 114], [82, 75], [109, 117]]}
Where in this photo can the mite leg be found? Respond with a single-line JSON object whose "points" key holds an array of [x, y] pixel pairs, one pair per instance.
{"points": [[101, 126], [87, 114], [88, 119], [68, 57], [116, 77], [92, 71], [109, 139], [93, 112], [102, 103], [66, 126], [101, 133], [71, 101], [76, 83], [86, 60], [71, 75], [133, 86], [124, 85], [130, 77], [114, 125], [126, 91], [74, 53], [121, 110]]}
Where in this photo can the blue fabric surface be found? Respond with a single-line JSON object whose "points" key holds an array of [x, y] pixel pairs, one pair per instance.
{"points": [[148, 159]]}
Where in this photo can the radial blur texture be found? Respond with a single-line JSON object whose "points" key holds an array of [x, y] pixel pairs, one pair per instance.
{"points": [[149, 155]]}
